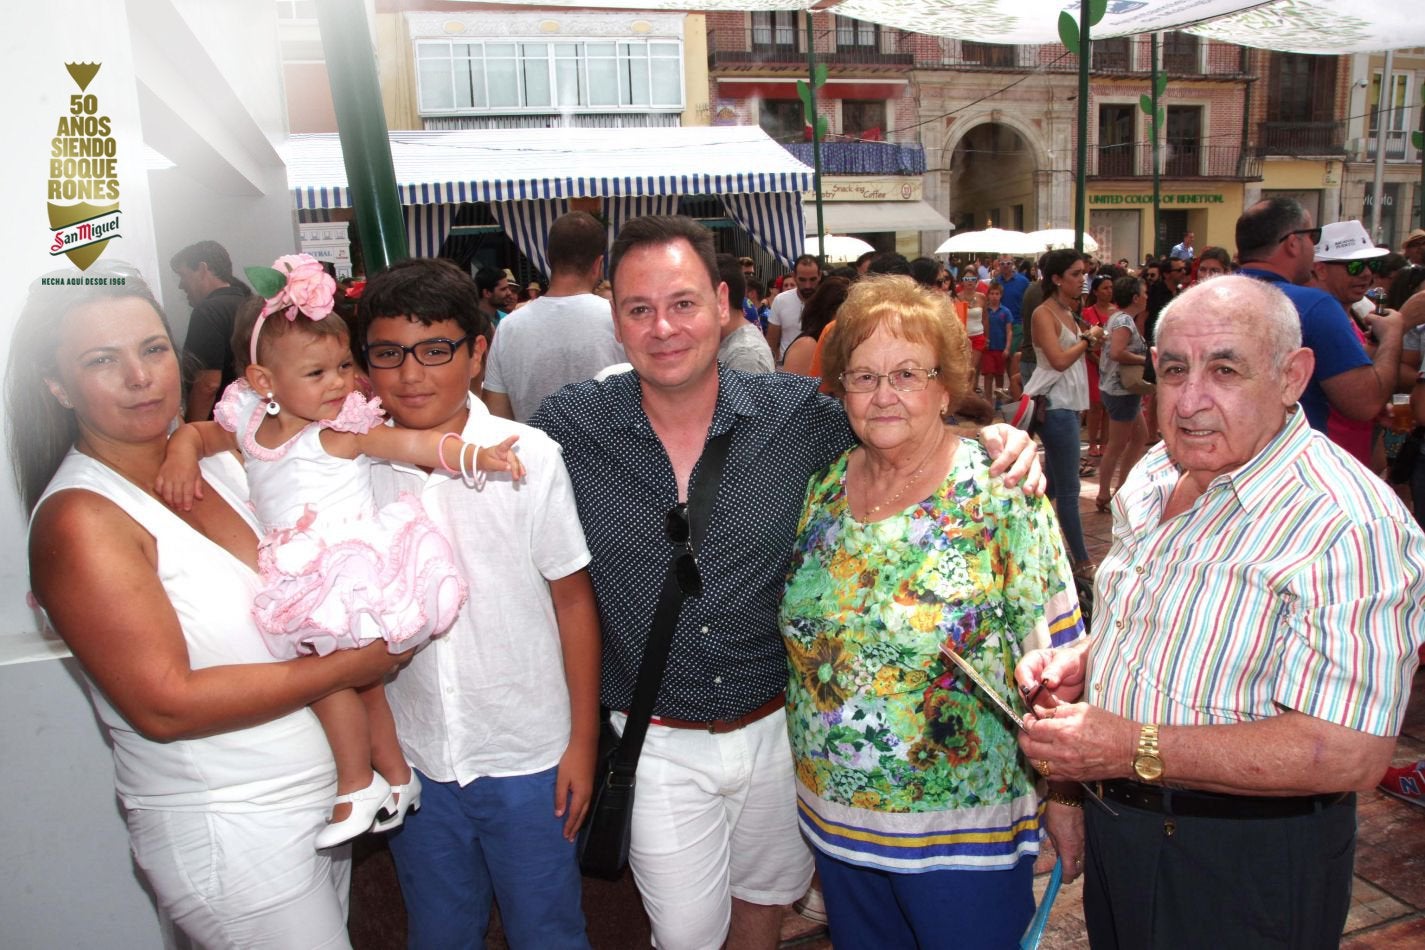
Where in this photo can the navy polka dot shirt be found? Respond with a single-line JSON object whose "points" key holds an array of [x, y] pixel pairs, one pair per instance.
{"points": [[727, 657]]}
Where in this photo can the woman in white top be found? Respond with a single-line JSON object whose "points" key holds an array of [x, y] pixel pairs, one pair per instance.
{"points": [[224, 773], [972, 305], [1062, 380]]}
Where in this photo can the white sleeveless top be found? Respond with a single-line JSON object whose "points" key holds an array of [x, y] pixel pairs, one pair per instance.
{"points": [[974, 321], [284, 762], [1068, 389]]}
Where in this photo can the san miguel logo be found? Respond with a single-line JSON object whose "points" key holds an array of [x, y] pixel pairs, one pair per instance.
{"points": [[83, 176]]}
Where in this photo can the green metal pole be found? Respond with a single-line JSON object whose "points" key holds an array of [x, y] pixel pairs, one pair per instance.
{"points": [[1081, 184], [361, 127], [815, 144], [1157, 165]]}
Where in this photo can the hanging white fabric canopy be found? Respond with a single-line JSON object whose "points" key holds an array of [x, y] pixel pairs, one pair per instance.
{"points": [[990, 241], [839, 247], [1051, 238], [1298, 26]]}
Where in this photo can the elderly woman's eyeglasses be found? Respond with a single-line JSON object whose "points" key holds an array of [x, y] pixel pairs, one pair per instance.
{"points": [[909, 380], [436, 352]]}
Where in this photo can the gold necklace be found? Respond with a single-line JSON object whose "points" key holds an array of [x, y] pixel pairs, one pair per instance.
{"points": [[914, 476]]}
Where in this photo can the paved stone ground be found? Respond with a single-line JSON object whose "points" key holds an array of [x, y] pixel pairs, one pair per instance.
{"points": [[1388, 909]]}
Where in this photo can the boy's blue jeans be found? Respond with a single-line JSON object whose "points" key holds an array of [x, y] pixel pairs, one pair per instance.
{"points": [[495, 838]]}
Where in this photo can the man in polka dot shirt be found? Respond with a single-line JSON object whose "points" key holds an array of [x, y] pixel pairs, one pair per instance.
{"points": [[715, 848]]}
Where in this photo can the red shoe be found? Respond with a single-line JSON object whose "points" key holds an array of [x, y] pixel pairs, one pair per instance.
{"points": [[1406, 783]]}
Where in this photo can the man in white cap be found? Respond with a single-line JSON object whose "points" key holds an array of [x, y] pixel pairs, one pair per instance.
{"points": [[1344, 263], [1276, 242]]}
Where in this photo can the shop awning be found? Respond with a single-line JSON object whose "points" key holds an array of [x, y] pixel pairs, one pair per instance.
{"points": [[859, 217], [456, 166], [529, 177]]}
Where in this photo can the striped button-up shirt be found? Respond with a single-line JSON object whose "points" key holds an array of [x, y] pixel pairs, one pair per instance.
{"points": [[1293, 582]]}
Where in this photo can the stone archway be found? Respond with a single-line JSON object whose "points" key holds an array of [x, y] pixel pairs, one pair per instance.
{"points": [[993, 176]]}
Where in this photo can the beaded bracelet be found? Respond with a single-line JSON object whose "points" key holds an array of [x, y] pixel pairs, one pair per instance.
{"points": [[440, 452]]}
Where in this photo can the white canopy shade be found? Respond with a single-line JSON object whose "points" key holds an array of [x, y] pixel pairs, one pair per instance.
{"points": [[1052, 238], [839, 247], [989, 241]]}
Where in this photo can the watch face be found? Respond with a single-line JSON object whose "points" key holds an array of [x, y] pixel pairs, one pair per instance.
{"points": [[1148, 767]]}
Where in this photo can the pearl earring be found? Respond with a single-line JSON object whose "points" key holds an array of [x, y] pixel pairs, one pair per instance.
{"points": [[272, 407]]}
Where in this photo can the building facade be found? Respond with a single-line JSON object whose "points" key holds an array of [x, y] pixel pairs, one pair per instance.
{"points": [[1000, 126], [1390, 119], [873, 165]]}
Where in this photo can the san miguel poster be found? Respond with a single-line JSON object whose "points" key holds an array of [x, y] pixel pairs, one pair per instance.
{"points": [[133, 128]]}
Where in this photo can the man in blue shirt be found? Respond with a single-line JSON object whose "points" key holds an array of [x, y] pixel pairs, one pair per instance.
{"points": [[1276, 242], [1183, 251], [1014, 284]]}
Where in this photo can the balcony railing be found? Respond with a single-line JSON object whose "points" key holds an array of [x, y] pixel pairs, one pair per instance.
{"points": [[1183, 160], [775, 47], [864, 158], [1112, 58], [1301, 138], [1397, 146], [1109, 59]]}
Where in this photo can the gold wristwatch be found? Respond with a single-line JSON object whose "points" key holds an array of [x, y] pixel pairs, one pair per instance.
{"points": [[1147, 763]]}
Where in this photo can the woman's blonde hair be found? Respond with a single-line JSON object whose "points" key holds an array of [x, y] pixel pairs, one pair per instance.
{"points": [[909, 311]]}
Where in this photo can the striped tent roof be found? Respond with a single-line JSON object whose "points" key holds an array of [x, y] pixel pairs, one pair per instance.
{"points": [[450, 167]]}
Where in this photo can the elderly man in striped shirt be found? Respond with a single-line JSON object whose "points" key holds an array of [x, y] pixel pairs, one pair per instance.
{"points": [[1254, 641]]}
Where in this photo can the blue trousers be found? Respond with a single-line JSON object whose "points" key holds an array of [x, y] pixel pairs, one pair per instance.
{"points": [[1060, 435], [871, 909], [496, 838]]}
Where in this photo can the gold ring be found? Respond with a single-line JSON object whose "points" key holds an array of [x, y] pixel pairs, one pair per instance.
{"points": [[1042, 767]]}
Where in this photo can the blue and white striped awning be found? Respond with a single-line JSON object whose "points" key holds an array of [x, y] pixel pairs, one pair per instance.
{"points": [[494, 165]]}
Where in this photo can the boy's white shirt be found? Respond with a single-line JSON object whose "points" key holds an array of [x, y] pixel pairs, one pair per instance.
{"points": [[489, 697]]}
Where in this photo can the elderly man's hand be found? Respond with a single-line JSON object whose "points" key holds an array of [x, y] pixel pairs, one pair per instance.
{"points": [[1060, 670], [1079, 743], [1014, 455], [1065, 825]]}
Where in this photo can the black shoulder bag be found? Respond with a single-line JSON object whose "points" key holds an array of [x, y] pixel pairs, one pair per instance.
{"points": [[603, 841]]}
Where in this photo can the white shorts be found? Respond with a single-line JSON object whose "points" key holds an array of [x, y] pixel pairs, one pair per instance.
{"points": [[714, 817], [245, 880]]}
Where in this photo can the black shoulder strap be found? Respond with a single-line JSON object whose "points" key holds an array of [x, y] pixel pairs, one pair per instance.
{"points": [[701, 495]]}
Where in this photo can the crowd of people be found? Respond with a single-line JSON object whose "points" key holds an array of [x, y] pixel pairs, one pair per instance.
{"points": [[409, 541]]}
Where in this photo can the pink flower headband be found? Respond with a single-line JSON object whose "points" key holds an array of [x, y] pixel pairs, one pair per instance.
{"points": [[295, 283]]}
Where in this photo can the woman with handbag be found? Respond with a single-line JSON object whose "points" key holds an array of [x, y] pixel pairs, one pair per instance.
{"points": [[1121, 383], [1061, 384]]}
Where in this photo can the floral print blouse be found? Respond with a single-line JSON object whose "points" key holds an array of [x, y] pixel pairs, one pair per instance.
{"points": [[902, 764]]}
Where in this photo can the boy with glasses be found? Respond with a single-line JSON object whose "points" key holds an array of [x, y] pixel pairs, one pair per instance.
{"points": [[501, 715]]}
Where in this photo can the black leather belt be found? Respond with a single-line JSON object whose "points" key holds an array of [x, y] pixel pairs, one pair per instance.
{"points": [[1190, 804]]}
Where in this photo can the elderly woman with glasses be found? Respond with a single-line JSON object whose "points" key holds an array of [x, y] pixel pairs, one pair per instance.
{"points": [[910, 785]]}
